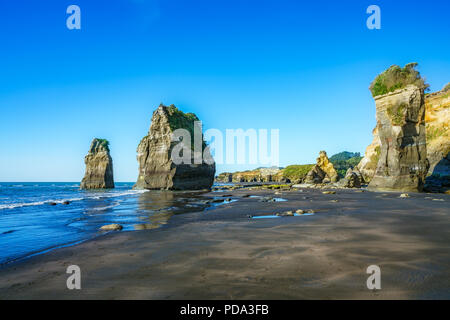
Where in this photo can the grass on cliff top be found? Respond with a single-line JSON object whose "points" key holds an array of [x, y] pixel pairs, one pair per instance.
{"points": [[180, 120], [397, 78], [104, 143]]}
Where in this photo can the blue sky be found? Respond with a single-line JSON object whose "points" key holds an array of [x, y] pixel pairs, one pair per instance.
{"points": [[303, 67]]}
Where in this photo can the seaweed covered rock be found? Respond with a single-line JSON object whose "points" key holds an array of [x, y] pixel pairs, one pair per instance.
{"points": [[99, 166], [158, 169], [402, 163]]}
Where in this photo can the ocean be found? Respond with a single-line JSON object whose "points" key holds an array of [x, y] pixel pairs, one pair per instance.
{"points": [[34, 218]]}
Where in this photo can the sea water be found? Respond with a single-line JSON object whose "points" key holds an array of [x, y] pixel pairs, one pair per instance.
{"points": [[30, 224]]}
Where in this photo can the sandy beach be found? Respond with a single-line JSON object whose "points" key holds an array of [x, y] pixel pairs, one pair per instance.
{"points": [[224, 254]]}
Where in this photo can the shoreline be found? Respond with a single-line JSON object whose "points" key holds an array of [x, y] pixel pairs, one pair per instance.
{"points": [[222, 254]]}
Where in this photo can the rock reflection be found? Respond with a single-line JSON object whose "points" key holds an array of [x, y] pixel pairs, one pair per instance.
{"points": [[156, 207]]}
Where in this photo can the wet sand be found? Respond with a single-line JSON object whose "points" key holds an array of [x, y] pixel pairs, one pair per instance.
{"points": [[222, 254]]}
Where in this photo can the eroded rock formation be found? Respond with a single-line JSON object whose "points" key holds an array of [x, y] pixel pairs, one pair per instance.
{"points": [[157, 168], [352, 179], [402, 164], [323, 171], [437, 119], [99, 166]]}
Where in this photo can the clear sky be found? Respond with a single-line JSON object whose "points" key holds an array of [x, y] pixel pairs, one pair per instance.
{"points": [[303, 67]]}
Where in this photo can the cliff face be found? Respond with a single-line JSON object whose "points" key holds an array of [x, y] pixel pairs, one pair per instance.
{"points": [[257, 175], [402, 164], [99, 167], [157, 169], [437, 119]]}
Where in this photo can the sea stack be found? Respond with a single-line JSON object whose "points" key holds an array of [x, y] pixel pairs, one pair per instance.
{"points": [[400, 113], [323, 171], [99, 166], [157, 167]]}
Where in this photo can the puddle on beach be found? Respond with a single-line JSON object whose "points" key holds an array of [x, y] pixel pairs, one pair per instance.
{"points": [[155, 208], [272, 216]]}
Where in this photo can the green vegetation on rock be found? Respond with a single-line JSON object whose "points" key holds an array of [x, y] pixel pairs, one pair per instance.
{"points": [[447, 87], [396, 113], [296, 172], [180, 120], [344, 160], [397, 78], [104, 143], [435, 132]]}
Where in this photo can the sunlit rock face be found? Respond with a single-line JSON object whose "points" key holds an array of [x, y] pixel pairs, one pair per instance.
{"points": [[323, 171], [99, 166], [437, 121], [157, 168], [402, 163]]}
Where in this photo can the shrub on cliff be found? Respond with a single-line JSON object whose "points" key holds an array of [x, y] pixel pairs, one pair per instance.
{"points": [[447, 87], [397, 78], [104, 143]]}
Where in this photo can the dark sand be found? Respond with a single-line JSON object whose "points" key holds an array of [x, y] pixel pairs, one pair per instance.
{"points": [[222, 254]]}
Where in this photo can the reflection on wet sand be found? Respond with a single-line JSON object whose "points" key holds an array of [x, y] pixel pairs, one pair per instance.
{"points": [[156, 207]]}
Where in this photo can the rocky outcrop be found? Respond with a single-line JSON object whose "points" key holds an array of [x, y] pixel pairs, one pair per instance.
{"points": [[437, 119], [157, 167], [402, 164], [323, 171], [352, 179], [99, 166], [290, 174]]}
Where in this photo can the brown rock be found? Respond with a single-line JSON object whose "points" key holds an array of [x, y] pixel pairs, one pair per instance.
{"points": [[402, 164], [99, 167], [157, 169]]}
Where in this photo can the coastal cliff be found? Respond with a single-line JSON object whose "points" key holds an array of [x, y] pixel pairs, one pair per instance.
{"points": [[157, 169], [437, 119], [402, 164], [99, 166]]}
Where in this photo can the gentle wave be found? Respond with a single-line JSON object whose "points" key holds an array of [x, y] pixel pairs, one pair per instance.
{"points": [[61, 201]]}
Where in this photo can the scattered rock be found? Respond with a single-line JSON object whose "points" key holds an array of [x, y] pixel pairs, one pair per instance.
{"points": [[352, 179], [329, 192], [285, 214], [111, 227], [404, 195], [267, 199]]}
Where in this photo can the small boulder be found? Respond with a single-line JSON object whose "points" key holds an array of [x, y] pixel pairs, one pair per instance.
{"points": [[111, 227], [404, 195]]}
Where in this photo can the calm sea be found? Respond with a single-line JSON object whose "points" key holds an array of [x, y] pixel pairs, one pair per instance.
{"points": [[30, 224]]}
